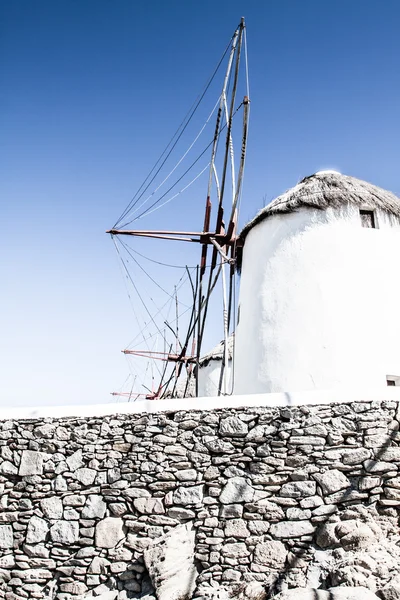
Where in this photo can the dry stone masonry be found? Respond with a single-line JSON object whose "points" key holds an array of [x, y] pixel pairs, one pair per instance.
{"points": [[251, 503]]}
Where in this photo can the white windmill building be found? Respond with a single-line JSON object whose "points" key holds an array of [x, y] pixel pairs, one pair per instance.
{"points": [[319, 302]]}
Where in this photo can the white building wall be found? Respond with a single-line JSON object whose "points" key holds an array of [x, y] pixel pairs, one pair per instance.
{"points": [[319, 302], [209, 378]]}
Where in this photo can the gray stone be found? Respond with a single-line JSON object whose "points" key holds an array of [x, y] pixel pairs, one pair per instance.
{"points": [[337, 593], [291, 529], [181, 513], [170, 564], [74, 587], [332, 481], [326, 536], [235, 550], [392, 481], [367, 483], [6, 537], [270, 554], [65, 532], [306, 440], [37, 530], [260, 433], [70, 514], [86, 476], [99, 566], [37, 551], [376, 440], [33, 575], [391, 454], [231, 511], [258, 527], [149, 506], [355, 535], [271, 511], [74, 500], [45, 431], [95, 507], [136, 493], [87, 552], [311, 502], [75, 461], [188, 495], [297, 514], [52, 507], [60, 485], [236, 490], [378, 466], [236, 528], [351, 593], [324, 510], [347, 495], [356, 456], [7, 561], [233, 427], [109, 532], [218, 446], [8, 468], [391, 591], [118, 509], [186, 475], [298, 489]]}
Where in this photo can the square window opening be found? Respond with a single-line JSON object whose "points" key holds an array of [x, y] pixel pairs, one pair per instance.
{"points": [[393, 380], [368, 219]]}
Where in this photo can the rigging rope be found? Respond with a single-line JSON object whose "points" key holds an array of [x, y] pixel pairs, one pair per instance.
{"points": [[181, 177], [184, 277], [182, 126], [130, 278], [177, 194], [180, 160], [147, 274], [157, 262]]}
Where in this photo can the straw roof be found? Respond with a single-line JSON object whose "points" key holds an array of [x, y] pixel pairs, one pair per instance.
{"points": [[190, 388], [218, 352], [324, 190]]}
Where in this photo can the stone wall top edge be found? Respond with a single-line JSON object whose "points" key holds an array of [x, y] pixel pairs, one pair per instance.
{"points": [[274, 400]]}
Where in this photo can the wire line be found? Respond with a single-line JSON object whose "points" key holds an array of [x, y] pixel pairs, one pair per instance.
{"points": [[183, 125]]}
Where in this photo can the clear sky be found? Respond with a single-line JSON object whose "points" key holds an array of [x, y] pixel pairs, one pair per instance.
{"points": [[90, 93]]}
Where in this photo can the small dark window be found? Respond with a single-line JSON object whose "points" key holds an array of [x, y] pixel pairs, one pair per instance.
{"points": [[368, 218], [391, 382]]}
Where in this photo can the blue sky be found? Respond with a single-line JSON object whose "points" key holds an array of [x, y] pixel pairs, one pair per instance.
{"points": [[90, 93]]}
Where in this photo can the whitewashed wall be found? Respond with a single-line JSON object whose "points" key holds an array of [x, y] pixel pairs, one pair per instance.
{"points": [[319, 303], [209, 378]]}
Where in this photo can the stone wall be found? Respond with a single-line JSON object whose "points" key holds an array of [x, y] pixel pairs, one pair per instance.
{"points": [[277, 496]]}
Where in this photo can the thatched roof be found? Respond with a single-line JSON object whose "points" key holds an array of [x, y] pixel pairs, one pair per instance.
{"points": [[328, 189], [218, 352], [190, 388]]}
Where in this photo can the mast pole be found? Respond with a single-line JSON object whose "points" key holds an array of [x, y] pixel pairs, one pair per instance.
{"points": [[201, 322], [225, 312], [177, 331], [219, 224]]}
